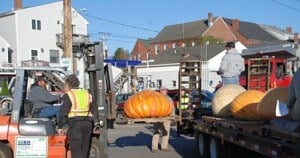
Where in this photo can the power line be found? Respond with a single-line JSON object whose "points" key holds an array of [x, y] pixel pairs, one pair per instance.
{"points": [[287, 6], [119, 23], [111, 39], [95, 32]]}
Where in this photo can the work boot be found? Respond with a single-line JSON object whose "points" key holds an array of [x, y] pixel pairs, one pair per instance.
{"points": [[165, 150], [154, 150]]}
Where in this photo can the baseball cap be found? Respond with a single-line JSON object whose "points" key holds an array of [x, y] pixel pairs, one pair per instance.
{"points": [[41, 79], [163, 88]]}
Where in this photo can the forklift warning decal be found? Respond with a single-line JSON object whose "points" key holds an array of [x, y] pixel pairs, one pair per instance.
{"points": [[31, 147]]}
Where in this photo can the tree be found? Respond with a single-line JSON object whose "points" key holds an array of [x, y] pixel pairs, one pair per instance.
{"points": [[4, 90], [120, 53]]}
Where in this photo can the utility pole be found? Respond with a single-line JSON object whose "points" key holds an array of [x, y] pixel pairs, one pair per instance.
{"points": [[67, 32]]}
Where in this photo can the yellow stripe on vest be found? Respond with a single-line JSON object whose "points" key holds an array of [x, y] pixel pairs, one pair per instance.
{"points": [[80, 102]]}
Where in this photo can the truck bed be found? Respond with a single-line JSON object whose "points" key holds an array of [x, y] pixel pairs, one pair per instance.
{"points": [[258, 136]]}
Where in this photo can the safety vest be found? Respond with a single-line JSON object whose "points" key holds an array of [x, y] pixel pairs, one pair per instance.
{"points": [[184, 102], [80, 100]]}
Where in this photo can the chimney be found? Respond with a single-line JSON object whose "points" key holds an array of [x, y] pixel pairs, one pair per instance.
{"points": [[17, 4], [235, 25], [289, 30], [210, 19], [296, 40]]}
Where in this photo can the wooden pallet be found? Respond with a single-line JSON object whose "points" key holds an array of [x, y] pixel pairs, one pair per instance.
{"points": [[152, 120]]}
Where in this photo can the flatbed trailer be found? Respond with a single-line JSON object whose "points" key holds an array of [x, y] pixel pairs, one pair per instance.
{"points": [[220, 137]]}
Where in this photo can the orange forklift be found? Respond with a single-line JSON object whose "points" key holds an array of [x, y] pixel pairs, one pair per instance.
{"points": [[22, 136]]}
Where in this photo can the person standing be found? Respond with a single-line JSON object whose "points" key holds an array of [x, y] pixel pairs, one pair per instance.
{"points": [[43, 100], [75, 112], [163, 126], [294, 97], [232, 65]]}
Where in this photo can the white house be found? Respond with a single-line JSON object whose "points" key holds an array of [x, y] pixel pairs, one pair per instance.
{"points": [[34, 34]]}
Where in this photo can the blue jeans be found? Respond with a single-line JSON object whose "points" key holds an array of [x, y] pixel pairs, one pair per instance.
{"points": [[230, 80], [48, 112]]}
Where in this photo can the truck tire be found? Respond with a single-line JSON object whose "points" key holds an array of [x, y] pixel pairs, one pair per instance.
{"points": [[5, 151], [216, 150], [97, 149], [202, 144]]}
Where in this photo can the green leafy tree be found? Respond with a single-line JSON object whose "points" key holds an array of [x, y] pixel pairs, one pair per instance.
{"points": [[4, 90], [120, 53]]}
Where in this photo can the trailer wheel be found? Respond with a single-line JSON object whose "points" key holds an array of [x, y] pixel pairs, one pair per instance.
{"points": [[5, 151], [97, 149], [216, 150], [202, 144]]}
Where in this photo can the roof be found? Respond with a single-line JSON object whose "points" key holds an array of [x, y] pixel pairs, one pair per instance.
{"points": [[194, 29], [195, 53], [147, 42], [283, 49], [175, 32], [252, 31], [122, 63]]}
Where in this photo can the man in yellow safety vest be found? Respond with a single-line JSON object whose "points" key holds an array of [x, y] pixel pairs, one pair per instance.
{"points": [[75, 112]]}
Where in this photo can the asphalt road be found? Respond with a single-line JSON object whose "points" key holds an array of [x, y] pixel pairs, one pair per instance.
{"points": [[134, 141]]}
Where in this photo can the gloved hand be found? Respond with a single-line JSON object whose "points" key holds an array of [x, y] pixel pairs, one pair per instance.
{"points": [[96, 128]]}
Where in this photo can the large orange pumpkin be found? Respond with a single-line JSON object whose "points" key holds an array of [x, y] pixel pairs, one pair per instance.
{"points": [[244, 105], [147, 104]]}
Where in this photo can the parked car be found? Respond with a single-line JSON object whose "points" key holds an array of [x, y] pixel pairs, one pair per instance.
{"points": [[120, 100], [205, 103]]}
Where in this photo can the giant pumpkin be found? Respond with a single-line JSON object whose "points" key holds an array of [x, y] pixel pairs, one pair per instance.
{"points": [[244, 105], [266, 107], [223, 98], [147, 104]]}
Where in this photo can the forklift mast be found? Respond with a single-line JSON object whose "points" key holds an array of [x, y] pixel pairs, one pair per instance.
{"points": [[101, 86]]}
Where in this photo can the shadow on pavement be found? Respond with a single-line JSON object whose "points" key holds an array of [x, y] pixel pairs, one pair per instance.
{"points": [[140, 139]]}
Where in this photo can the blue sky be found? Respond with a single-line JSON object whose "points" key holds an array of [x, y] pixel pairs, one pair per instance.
{"points": [[126, 20]]}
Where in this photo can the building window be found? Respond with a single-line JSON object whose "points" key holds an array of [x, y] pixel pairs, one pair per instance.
{"points": [[174, 45], [34, 55], [54, 56], [33, 24], [73, 29], [156, 49], [174, 83], [36, 24], [159, 83], [193, 44], [165, 46], [139, 57]]}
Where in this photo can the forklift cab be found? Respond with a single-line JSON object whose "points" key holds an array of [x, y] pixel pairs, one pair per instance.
{"points": [[21, 107]]}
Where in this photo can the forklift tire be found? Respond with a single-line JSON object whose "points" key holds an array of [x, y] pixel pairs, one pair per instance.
{"points": [[202, 144], [121, 119], [97, 149], [5, 151]]}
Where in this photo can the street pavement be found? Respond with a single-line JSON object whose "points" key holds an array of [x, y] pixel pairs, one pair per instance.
{"points": [[134, 141]]}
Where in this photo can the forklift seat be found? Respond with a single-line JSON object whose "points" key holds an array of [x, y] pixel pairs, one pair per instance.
{"points": [[28, 105], [27, 108]]}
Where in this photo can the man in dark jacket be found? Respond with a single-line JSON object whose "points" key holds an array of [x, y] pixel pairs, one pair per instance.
{"points": [[43, 100], [76, 113]]}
